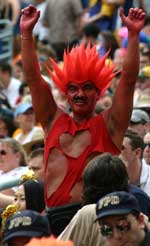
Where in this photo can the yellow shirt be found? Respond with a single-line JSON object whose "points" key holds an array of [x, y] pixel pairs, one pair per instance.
{"points": [[107, 9]]}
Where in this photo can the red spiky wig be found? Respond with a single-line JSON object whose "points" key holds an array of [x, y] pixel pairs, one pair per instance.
{"points": [[82, 64]]}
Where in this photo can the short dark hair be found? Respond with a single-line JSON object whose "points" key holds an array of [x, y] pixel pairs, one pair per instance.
{"points": [[91, 30], [135, 140], [5, 67], [104, 174], [36, 152]]}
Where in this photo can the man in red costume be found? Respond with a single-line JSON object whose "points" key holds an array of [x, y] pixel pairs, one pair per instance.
{"points": [[71, 141]]}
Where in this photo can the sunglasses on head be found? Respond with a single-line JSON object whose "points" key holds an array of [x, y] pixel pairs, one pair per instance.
{"points": [[3, 152], [122, 226]]}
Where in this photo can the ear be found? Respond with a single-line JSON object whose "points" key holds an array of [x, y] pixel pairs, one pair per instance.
{"points": [[138, 152], [18, 155], [143, 220]]}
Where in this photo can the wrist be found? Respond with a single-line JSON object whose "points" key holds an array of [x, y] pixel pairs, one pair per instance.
{"points": [[25, 37]]}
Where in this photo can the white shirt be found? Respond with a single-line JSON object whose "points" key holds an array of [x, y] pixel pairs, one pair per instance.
{"points": [[145, 178], [12, 91], [12, 176]]}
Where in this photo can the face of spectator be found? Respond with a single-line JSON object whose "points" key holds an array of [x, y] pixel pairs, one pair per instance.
{"points": [[19, 198], [3, 128], [37, 165], [26, 120], [144, 61], [18, 241], [127, 154], [123, 230], [146, 152], [82, 98], [139, 128], [8, 158]]}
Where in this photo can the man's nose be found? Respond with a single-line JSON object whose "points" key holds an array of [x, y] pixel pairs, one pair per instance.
{"points": [[117, 234], [80, 92]]}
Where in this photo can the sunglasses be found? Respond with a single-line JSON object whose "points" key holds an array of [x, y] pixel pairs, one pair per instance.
{"points": [[3, 152], [122, 226], [147, 144]]}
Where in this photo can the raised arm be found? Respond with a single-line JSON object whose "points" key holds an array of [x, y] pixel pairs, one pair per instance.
{"points": [[118, 117], [43, 102]]}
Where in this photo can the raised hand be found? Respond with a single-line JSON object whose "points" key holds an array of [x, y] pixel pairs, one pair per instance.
{"points": [[135, 19], [29, 18]]}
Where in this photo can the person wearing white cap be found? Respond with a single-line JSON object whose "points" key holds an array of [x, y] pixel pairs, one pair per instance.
{"points": [[25, 117], [138, 121]]}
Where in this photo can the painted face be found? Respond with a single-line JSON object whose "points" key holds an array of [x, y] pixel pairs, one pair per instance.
{"points": [[123, 230], [19, 198], [82, 98]]}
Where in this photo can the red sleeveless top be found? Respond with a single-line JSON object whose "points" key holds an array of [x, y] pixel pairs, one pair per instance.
{"points": [[100, 142]]}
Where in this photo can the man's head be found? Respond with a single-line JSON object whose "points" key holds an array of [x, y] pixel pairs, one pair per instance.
{"points": [[103, 174], [146, 152], [120, 220], [24, 225], [24, 116], [132, 148], [5, 73], [90, 33], [36, 163], [82, 65], [12, 154], [138, 120]]}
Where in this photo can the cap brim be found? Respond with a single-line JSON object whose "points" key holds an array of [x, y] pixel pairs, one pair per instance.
{"points": [[28, 146], [113, 212], [24, 234]]}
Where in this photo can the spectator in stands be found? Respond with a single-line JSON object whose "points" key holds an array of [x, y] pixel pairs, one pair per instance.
{"points": [[70, 140], [23, 226], [120, 220], [25, 117], [131, 154], [30, 195], [36, 162], [104, 174], [146, 152], [10, 85], [138, 121], [12, 161]]}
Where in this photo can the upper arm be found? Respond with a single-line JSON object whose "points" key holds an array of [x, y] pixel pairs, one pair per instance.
{"points": [[44, 104], [118, 116]]}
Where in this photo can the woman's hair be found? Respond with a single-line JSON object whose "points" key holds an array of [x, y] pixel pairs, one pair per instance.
{"points": [[104, 174], [34, 195]]}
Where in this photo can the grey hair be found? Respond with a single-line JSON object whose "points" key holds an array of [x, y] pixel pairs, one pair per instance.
{"points": [[16, 147]]}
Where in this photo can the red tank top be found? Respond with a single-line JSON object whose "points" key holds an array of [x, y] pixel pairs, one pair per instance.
{"points": [[100, 142]]}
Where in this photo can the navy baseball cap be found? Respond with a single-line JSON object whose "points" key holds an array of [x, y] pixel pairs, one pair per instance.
{"points": [[26, 223], [116, 203]]}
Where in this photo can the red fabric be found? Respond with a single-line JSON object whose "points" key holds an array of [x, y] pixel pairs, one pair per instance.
{"points": [[100, 142]]}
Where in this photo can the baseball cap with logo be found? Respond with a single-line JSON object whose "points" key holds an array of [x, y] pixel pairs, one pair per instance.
{"points": [[26, 223], [116, 203]]}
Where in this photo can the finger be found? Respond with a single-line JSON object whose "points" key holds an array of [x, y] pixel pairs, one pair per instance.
{"points": [[121, 12], [37, 15]]}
